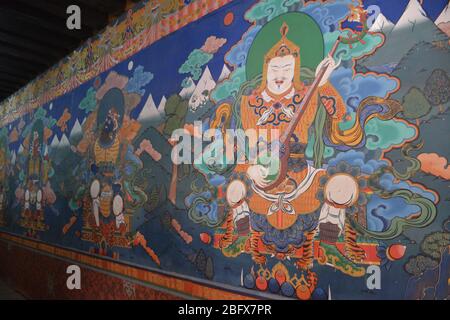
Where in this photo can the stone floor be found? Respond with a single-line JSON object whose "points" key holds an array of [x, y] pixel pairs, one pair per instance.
{"points": [[6, 293]]}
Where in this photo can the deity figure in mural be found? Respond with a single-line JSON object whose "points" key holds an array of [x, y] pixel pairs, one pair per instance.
{"points": [[289, 216], [37, 174], [34, 162], [106, 221], [129, 30], [90, 58]]}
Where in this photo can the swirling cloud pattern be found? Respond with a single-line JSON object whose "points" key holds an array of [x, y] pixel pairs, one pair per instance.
{"points": [[140, 79]]}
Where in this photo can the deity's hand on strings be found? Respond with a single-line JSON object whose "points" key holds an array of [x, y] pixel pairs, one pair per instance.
{"points": [[259, 174]]}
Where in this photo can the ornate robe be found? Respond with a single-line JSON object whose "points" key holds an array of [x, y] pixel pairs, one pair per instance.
{"points": [[300, 186]]}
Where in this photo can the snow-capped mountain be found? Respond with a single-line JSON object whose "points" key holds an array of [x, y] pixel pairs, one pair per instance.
{"points": [[413, 16], [161, 106], [194, 92], [382, 24], [13, 157], [444, 16], [55, 142], [224, 74], [413, 27], [443, 20], [64, 142], [202, 90], [149, 111], [187, 92], [76, 129]]}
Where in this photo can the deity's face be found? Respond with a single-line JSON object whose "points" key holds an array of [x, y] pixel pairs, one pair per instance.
{"points": [[280, 74], [110, 127], [110, 122]]}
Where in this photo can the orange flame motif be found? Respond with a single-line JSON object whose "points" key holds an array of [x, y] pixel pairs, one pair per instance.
{"points": [[62, 122], [139, 239], [183, 234]]}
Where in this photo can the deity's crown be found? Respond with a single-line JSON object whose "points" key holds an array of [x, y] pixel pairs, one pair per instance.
{"points": [[284, 46]]}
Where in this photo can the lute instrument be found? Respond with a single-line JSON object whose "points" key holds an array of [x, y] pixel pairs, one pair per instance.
{"points": [[284, 141]]}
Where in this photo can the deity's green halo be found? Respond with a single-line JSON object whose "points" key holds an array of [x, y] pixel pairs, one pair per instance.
{"points": [[303, 31], [113, 98]]}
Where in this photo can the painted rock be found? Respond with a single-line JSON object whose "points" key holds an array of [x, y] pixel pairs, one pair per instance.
{"points": [[261, 283], [249, 281], [274, 286], [303, 292], [319, 294], [287, 289]]}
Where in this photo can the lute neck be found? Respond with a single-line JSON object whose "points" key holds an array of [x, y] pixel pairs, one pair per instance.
{"points": [[305, 101]]}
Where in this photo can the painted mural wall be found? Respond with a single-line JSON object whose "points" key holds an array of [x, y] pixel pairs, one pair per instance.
{"points": [[94, 154]]}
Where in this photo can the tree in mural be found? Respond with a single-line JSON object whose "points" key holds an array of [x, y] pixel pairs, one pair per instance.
{"points": [[437, 89], [417, 265], [415, 104], [435, 244], [176, 109], [432, 248]]}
